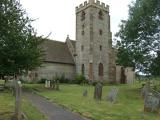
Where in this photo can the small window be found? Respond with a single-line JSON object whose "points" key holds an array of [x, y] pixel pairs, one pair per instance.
{"points": [[100, 32], [83, 15], [100, 47], [83, 26], [100, 15], [82, 32], [82, 48]]}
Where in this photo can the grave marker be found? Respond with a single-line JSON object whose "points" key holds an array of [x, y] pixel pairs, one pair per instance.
{"points": [[98, 91], [112, 95]]}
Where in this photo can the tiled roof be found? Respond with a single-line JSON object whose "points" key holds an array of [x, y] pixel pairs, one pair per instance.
{"points": [[57, 52]]}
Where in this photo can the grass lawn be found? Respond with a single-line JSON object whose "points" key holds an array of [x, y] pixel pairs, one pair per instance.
{"points": [[129, 105], [7, 108]]}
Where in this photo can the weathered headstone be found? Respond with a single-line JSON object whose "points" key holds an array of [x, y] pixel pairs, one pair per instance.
{"points": [[151, 103], [57, 85], [112, 95], [85, 93], [53, 82], [47, 83], [98, 91], [145, 90]]}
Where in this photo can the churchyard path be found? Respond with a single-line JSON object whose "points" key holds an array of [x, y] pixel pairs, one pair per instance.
{"points": [[51, 110]]}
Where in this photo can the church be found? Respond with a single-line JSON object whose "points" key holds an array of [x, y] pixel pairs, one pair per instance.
{"points": [[91, 54]]}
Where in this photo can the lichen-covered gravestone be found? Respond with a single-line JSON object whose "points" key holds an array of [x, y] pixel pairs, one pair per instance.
{"points": [[151, 103], [85, 93], [112, 95], [98, 91]]}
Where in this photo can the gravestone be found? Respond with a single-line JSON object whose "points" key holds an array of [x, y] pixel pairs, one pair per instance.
{"points": [[47, 83], [112, 95], [57, 85], [85, 93], [145, 90], [53, 82], [98, 91], [151, 103]]}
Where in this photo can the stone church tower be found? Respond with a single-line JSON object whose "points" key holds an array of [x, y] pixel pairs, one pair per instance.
{"points": [[93, 41]]}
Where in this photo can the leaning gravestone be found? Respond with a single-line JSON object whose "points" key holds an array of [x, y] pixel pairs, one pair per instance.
{"points": [[85, 93], [98, 91], [151, 103], [112, 95], [145, 90]]}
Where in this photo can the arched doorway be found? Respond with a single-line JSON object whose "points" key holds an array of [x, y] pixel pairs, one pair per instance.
{"points": [[83, 69], [100, 70]]}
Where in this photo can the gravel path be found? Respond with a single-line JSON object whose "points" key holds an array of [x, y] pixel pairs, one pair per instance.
{"points": [[51, 110]]}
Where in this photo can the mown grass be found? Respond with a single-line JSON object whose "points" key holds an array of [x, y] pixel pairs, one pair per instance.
{"points": [[7, 103], [129, 104]]}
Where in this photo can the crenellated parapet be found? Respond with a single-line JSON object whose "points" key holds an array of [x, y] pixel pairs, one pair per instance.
{"points": [[96, 3]]}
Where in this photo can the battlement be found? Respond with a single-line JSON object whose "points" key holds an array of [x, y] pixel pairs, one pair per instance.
{"points": [[92, 2]]}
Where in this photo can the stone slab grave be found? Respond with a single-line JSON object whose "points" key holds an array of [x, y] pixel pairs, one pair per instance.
{"points": [[98, 91], [112, 95], [85, 93], [151, 103]]}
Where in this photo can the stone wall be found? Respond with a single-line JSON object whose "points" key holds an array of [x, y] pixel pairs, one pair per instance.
{"points": [[50, 70], [129, 74]]}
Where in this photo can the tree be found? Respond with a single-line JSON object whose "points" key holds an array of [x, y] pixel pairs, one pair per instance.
{"points": [[139, 37], [155, 65], [19, 46]]}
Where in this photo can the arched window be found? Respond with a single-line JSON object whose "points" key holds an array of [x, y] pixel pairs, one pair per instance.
{"points": [[83, 69], [83, 15], [100, 15], [100, 32], [100, 47], [100, 73]]}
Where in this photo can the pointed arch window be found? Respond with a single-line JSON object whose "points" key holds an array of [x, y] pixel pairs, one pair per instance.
{"points": [[100, 15], [83, 14], [83, 69], [100, 69]]}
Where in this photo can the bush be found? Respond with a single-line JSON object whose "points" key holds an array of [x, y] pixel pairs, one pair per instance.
{"points": [[42, 80], [80, 79]]}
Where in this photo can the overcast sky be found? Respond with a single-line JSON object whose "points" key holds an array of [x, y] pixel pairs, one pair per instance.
{"points": [[58, 16]]}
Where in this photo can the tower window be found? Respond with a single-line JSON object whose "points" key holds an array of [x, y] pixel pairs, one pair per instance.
{"points": [[82, 48], [83, 26], [100, 47], [100, 15], [83, 15], [82, 32], [100, 32]]}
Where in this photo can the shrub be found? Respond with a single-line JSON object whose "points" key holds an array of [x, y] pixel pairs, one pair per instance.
{"points": [[80, 79], [42, 80]]}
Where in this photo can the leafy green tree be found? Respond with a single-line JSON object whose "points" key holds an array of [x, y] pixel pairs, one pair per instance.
{"points": [[155, 65], [139, 36], [19, 46]]}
